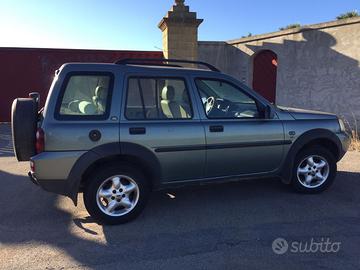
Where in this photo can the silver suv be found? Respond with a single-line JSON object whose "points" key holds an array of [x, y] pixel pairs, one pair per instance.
{"points": [[118, 131]]}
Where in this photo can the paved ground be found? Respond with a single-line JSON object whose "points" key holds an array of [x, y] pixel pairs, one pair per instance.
{"points": [[229, 226]]}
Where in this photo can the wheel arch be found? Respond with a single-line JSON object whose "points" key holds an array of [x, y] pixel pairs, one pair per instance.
{"points": [[108, 154], [320, 137], [129, 160]]}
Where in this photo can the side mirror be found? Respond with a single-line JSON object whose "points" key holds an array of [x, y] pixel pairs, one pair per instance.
{"points": [[269, 112]]}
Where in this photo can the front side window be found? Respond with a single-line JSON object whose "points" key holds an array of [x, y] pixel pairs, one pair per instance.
{"points": [[223, 100], [85, 96], [157, 98]]}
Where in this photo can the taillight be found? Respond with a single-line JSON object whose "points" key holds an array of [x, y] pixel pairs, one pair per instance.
{"points": [[40, 141], [32, 166]]}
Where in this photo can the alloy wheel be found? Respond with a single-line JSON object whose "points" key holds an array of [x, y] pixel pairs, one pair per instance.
{"points": [[313, 171], [117, 195]]}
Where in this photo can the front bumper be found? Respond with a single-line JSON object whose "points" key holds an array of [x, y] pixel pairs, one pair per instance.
{"points": [[345, 140]]}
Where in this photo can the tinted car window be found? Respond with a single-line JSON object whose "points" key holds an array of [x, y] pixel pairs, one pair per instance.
{"points": [[85, 95], [157, 98], [223, 100]]}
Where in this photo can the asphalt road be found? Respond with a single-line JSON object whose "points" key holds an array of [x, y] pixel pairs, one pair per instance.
{"points": [[227, 226]]}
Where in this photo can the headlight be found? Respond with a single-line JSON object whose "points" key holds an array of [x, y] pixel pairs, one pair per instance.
{"points": [[342, 125]]}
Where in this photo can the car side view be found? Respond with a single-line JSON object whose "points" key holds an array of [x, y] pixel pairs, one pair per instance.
{"points": [[118, 131]]}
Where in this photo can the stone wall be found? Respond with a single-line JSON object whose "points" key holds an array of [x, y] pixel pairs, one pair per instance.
{"points": [[224, 56], [318, 65]]}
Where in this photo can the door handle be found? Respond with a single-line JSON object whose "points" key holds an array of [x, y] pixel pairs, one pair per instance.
{"points": [[137, 130], [216, 128]]}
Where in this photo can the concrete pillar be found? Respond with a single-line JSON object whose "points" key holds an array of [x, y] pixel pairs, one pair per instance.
{"points": [[180, 32]]}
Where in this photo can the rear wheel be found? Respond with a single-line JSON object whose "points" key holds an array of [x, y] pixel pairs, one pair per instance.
{"points": [[116, 195], [314, 170]]}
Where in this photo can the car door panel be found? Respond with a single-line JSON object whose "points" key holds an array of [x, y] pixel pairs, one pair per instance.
{"points": [[178, 144], [238, 145], [244, 147], [179, 147]]}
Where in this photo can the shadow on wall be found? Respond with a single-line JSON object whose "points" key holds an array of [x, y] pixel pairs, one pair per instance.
{"points": [[225, 57], [312, 74]]}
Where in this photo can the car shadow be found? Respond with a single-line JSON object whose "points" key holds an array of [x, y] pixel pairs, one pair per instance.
{"points": [[243, 216], [6, 149]]}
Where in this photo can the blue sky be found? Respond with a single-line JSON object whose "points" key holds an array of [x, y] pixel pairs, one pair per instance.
{"points": [[132, 24]]}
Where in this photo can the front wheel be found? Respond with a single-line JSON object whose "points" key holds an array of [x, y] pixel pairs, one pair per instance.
{"points": [[116, 195], [314, 170]]}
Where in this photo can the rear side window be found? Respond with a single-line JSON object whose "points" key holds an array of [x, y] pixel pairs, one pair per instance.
{"points": [[85, 96], [157, 98]]}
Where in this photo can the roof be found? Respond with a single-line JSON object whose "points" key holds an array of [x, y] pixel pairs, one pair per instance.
{"points": [[146, 63], [131, 68]]}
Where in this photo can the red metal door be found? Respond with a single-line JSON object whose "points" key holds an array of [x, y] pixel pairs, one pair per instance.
{"points": [[264, 74]]}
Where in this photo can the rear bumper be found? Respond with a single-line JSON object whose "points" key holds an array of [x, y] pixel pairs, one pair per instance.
{"points": [[33, 178], [51, 172], [55, 165], [54, 186]]}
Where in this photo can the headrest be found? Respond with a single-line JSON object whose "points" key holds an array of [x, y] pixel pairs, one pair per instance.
{"points": [[87, 108], [100, 92], [168, 93]]}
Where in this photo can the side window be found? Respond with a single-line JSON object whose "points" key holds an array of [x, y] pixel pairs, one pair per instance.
{"points": [[223, 100], [157, 98], [85, 96]]}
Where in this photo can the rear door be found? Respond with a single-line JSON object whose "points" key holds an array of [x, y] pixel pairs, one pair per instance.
{"points": [[82, 106], [158, 114], [240, 141]]}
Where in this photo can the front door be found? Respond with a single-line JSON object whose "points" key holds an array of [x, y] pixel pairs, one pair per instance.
{"points": [[240, 141], [159, 116]]}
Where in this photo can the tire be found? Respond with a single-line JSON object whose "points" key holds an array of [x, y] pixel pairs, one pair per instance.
{"points": [[303, 172], [105, 181], [23, 126]]}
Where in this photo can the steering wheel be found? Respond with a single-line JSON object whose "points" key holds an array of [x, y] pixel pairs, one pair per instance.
{"points": [[210, 103]]}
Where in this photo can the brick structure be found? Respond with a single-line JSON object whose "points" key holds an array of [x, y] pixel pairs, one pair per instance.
{"points": [[180, 32]]}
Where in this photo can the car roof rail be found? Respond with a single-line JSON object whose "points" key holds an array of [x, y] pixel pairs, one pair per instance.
{"points": [[162, 62]]}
